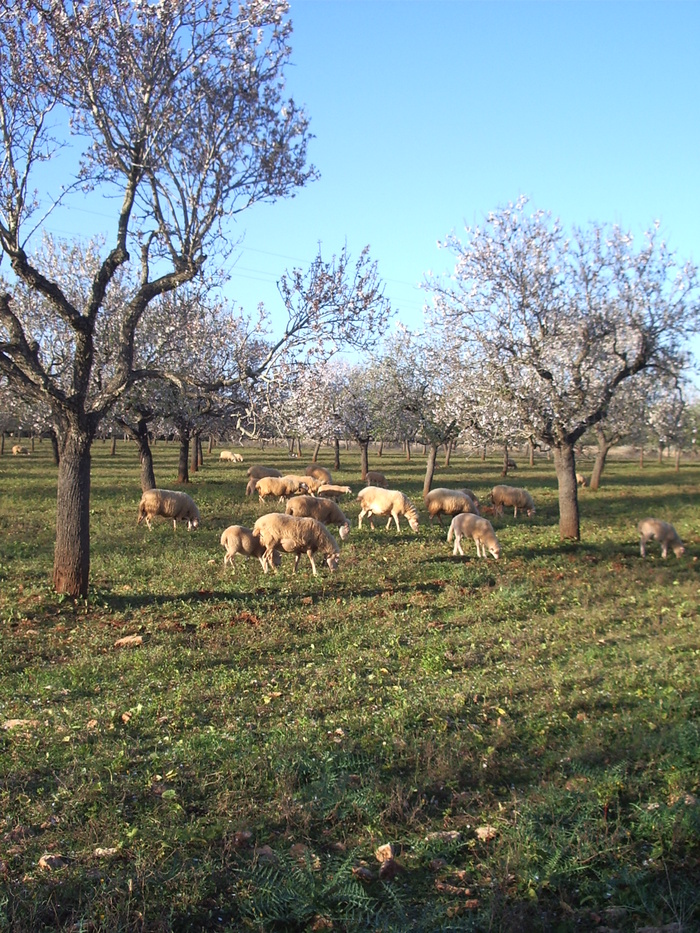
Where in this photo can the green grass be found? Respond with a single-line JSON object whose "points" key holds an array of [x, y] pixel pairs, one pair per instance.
{"points": [[238, 770]]}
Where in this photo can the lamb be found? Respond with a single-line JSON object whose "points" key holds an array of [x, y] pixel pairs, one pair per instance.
{"points": [[281, 486], [318, 472], [312, 483], [229, 455], [257, 471], [237, 539], [324, 510], [581, 480], [653, 529], [175, 505], [375, 478], [480, 529], [512, 496], [332, 491], [442, 501], [19, 449], [297, 536], [377, 501]]}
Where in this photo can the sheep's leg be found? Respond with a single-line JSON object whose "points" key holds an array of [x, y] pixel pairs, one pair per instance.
{"points": [[360, 517], [664, 549], [310, 555], [643, 546], [174, 524], [458, 545], [263, 563], [396, 519], [297, 558], [267, 556]]}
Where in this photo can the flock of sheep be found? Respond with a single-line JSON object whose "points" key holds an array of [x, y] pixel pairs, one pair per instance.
{"points": [[312, 505]]}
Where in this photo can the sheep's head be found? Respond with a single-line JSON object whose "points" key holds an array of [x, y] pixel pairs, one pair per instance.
{"points": [[531, 512], [332, 561], [678, 550], [495, 550], [344, 531], [413, 522], [192, 523]]}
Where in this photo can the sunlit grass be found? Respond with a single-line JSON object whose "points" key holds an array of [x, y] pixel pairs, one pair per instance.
{"points": [[411, 698]]}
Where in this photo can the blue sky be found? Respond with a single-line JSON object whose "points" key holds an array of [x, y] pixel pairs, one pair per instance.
{"points": [[427, 115]]}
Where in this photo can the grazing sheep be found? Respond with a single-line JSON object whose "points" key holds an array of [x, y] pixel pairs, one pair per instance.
{"points": [[229, 455], [297, 536], [169, 504], [281, 486], [323, 510], [237, 539], [250, 488], [318, 472], [442, 501], [377, 501], [653, 529], [480, 529], [257, 471], [332, 491], [581, 480], [512, 496], [19, 449], [311, 482], [375, 478]]}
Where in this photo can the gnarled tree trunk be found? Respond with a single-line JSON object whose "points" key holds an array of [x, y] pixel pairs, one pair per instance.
{"points": [[565, 466], [336, 453], [600, 458], [364, 457], [430, 468], [183, 475], [71, 567]]}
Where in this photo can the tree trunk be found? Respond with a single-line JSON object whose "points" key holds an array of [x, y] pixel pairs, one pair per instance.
{"points": [[194, 459], [2, 443], [430, 469], [641, 458], [54, 446], [408, 451], [380, 449], [661, 453], [483, 452], [599, 465], [299, 447], [113, 448], [449, 447], [148, 479], [678, 459], [71, 566], [364, 458], [504, 471], [531, 453], [565, 465], [336, 453], [317, 448], [200, 451], [183, 475]]}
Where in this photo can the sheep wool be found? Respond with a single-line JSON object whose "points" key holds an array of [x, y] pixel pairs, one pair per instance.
{"points": [[513, 497], [168, 503], [323, 510], [467, 525], [653, 529], [318, 472], [237, 539], [282, 487], [297, 536], [377, 501], [440, 501]]}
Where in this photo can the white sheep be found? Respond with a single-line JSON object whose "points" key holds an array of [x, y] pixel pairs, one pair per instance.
{"points": [[653, 529], [581, 480], [480, 529], [231, 456], [19, 450], [323, 510], [318, 472], [257, 471], [512, 496], [237, 539], [297, 536], [177, 506], [280, 486], [443, 501], [333, 491], [312, 483], [377, 501], [375, 478]]}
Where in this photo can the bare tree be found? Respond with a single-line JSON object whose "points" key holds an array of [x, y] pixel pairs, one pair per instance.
{"points": [[177, 114], [562, 321]]}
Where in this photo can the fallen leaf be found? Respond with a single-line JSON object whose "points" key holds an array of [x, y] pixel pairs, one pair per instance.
{"points": [[242, 837], [91, 724], [20, 724], [53, 862], [447, 835], [129, 641], [105, 853], [126, 717], [384, 853], [486, 833]]}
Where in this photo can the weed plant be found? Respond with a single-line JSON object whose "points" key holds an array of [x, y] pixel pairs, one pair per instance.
{"points": [[525, 733]]}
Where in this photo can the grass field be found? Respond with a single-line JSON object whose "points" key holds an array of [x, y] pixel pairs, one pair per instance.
{"points": [[525, 733]]}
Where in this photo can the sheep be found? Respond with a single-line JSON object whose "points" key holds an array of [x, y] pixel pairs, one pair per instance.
{"points": [[512, 496], [375, 478], [229, 455], [250, 488], [581, 480], [318, 472], [257, 471], [19, 449], [653, 529], [332, 491], [377, 501], [297, 536], [324, 510], [312, 483], [442, 501], [237, 539], [281, 486], [175, 505], [480, 529]]}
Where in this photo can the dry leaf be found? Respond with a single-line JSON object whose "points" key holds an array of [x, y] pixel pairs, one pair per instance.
{"points": [[486, 833], [53, 862], [91, 724], [20, 724], [129, 641], [447, 835], [105, 853], [384, 853], [126, 717]]}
